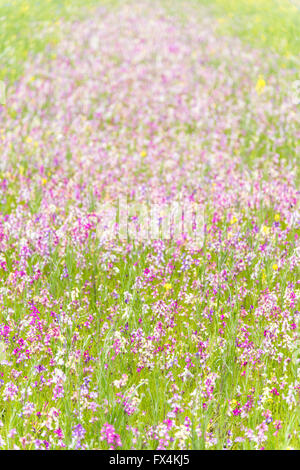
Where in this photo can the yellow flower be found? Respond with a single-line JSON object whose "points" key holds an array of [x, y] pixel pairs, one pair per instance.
{"points": [[44, 181], [275, 267], [168, 286], [265, 230], [143, 154], [260, 85], [233, 220], [28, 140], [277, 217]]}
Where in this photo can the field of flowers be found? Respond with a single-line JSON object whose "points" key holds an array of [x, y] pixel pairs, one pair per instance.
{"points": [[182, 339]]}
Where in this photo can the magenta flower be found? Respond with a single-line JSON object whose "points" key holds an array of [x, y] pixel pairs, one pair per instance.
{"points": [[109, 435]]}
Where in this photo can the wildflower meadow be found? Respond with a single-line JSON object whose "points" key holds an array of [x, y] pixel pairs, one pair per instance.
{"points": [[149, 225]]}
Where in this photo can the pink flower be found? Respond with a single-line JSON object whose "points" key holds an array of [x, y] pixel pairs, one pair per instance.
{"points": [[109, 434]]}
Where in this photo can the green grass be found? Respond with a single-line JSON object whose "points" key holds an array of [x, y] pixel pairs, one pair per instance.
{"points": [[27, 27], [274, 24]]}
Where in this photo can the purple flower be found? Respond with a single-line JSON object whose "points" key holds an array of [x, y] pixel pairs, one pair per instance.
{"points": [[78, 431]]}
